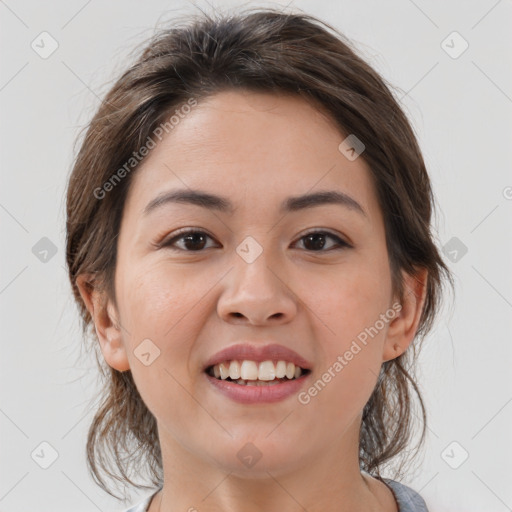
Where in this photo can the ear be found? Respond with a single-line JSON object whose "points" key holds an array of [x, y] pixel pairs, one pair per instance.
{"points": [[403, 326], [104, 316]]}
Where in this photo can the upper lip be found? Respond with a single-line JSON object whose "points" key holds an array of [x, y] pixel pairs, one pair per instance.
{"points": [[258, 353]]}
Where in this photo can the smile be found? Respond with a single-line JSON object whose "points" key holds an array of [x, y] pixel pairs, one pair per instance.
{"points": [[252, 373], [250, 382]]}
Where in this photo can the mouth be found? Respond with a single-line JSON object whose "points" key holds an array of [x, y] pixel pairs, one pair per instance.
{"points": [[252, 373]]}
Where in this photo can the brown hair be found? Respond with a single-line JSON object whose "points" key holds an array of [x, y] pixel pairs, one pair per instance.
{"points": [[261, 50]]}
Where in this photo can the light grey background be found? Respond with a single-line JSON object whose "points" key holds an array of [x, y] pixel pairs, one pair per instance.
{"points": [[461, 111]]}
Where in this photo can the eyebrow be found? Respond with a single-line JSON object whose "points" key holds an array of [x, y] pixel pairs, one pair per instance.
{"points": [[223, 204]]}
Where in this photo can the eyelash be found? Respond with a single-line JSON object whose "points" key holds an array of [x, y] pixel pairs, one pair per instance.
{"points": [[181, 234]]}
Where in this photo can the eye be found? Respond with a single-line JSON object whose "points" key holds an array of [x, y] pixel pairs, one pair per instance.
{"points": [[316, 240], [191, 238], [195, 240]]}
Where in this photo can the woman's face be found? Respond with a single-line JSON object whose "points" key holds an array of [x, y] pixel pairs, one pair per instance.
{"points": [[252, 276]]}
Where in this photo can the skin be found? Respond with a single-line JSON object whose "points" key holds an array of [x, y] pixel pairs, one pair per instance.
{"points": [[256, 149]]}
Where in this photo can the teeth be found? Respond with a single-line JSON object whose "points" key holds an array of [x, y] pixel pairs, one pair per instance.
{"points": [[234, 370], [266, 371], [261, 383], [280, 369], [248, 370], [224, 370]]}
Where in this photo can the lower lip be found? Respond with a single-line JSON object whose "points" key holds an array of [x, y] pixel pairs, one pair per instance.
{"points": [[258, 394]]}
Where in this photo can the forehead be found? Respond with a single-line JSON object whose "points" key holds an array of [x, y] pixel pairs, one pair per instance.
{"points": [[252, 146]]}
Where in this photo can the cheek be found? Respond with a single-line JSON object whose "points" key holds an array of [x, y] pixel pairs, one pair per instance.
{"points": [[155, 298], [162, 313], [166, 309], [352, 305], [351, 358], [352, 300], [340, 396]]}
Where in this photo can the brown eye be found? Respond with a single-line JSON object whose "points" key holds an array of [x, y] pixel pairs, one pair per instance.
{"points": [[195, 241], [316, 241], [191, 241]]}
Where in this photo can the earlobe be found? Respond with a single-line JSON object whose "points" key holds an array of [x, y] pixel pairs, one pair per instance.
{"points": [[107, 327], [404, 326]]}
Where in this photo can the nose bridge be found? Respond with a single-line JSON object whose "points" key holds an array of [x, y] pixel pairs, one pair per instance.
{"points": [[255, 263], [256, 287]]}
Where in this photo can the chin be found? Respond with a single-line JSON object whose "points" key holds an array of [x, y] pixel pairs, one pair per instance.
{"points": [[256, 459]]}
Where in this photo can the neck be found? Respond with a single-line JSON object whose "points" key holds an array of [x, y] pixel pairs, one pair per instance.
{"points": [[326, 482]]}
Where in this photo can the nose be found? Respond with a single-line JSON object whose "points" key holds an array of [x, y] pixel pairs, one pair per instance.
{"points": [[257, 293]]}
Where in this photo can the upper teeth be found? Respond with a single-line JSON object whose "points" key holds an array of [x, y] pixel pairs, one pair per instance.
{"points": [[251, 370]]}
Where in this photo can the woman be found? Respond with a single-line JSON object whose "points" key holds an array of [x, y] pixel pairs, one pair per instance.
{"points": [[249, 236]]}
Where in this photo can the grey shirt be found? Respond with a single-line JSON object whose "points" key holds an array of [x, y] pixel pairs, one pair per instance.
{"points": [[407, 499]]}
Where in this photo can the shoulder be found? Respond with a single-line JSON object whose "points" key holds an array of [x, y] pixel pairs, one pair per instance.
{"points": [[408, 500], [143, 505]]}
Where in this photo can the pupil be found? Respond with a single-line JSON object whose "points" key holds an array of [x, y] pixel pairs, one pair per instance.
{"points": [[316, 236], [192, 237]]}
